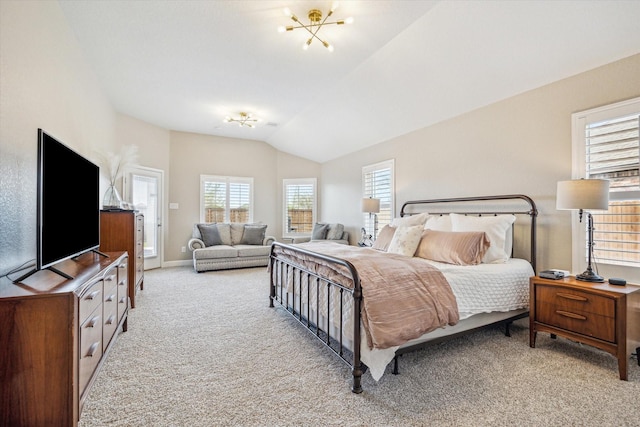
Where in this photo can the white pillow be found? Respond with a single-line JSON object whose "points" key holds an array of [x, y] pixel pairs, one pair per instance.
{"points": [[438, 223], [405, 240], [496, 228], [408, 221]]}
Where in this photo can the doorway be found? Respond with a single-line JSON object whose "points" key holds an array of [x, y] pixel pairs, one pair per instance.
{"points": [[143, 187]]}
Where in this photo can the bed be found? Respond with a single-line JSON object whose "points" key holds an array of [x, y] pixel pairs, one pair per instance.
{"points": [[371, 305]]}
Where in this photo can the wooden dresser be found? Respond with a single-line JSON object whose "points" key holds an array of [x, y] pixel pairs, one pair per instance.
{"points": [[597, 314], [55, 334], [124, 231]]}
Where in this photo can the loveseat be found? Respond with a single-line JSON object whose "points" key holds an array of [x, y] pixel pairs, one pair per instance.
{"points": [[220, 246], [325, 232]]}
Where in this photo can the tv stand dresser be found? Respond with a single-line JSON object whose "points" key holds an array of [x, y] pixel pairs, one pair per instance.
{"points": [[55, 334]]}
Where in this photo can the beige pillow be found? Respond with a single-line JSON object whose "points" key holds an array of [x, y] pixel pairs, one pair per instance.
{"points": [[496, 228], [405, 240], [384, 238], [408, 221], [452, 247]]}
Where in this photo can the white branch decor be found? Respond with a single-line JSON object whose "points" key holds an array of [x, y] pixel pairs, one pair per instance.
{"points": [[112, 166]]}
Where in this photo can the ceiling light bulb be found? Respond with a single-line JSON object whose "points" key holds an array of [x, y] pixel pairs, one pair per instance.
{"points": [[330, 47], [287, 12], [227, 119], [281, 29], [334, 6], [306, 44], [349, 20]]}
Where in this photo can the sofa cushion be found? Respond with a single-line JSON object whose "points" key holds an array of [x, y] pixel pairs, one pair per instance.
{"points": [[335, 231], [220, 251], [225, 233], [237, 228], [210, 234], [253, 250], [253, 234], [319, 231]]}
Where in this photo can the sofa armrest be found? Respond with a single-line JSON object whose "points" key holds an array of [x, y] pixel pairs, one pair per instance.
{"points": [[302, 239], [195, 243], [268, 240]]}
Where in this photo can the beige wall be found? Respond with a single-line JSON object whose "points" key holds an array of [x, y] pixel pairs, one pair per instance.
{"points": [[44, 83], [519, 145]]}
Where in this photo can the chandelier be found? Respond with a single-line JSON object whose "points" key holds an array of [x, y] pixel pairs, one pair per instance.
{"points": [[245, 119], [315, 23]]}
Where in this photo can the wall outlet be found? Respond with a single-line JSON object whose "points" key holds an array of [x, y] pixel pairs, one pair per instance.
{"points": [[184, 249]]}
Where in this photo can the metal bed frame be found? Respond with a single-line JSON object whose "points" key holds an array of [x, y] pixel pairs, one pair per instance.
{"points": [[283, 269]]}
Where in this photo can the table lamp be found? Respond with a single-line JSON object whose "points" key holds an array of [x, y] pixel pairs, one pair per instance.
{"points": [[583, 194], [372, 207]]}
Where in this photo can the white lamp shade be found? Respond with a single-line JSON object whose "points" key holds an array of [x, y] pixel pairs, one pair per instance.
{"points": [[370, 205], [583, 194]]}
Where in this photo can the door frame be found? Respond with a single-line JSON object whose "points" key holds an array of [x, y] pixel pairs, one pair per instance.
{"points": [[160, 221]]}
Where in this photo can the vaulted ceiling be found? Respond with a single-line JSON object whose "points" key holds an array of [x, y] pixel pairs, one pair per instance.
{"points": [[401, 66]]}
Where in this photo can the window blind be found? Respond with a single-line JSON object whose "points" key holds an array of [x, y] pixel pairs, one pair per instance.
{"points": [[300, 202], [377, 183], [613, 153], [226, 199]]}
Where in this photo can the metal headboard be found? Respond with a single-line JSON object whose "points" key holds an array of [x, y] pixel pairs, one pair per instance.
{"points": [[492, 209]]}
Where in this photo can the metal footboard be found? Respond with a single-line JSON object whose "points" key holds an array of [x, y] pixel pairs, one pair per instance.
{"points": [[317, 318]]}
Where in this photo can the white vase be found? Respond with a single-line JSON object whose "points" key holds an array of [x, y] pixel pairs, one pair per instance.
{"points": [[111, 199]]}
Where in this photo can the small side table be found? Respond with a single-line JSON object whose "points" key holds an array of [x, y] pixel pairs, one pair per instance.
{"points": [[597, 314]]}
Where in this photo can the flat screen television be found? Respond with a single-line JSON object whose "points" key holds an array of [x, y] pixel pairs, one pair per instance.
{"points": [[68, 203]]}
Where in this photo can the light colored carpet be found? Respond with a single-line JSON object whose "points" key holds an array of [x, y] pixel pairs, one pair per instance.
{"points": [[206, 350]]}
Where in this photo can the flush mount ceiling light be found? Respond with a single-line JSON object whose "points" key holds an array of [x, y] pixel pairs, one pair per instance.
{"points": [[245, 119], [315, 23]]}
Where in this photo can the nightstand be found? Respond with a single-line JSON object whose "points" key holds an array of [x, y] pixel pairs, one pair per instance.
{"points": [[597, 314]]}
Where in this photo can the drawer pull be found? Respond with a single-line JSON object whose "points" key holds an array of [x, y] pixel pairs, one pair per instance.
{"points": [[93, 322], [92, 295], [110, 298], [573, 297], [571, 315], [92, 349], [110, 320], [110, 278]]}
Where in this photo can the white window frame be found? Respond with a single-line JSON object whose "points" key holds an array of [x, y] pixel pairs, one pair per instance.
{"points": [[298, 181], [228, 180], [579, 121], [387, 203]]}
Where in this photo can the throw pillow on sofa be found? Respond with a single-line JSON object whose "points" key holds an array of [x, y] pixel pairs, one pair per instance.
{"points": [[210, 234], [319, 231], [335, 231], [253, 234]]}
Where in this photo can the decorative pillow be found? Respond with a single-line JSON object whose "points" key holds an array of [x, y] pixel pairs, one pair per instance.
{"points": [[405, 240], [253, 234], [210, 234], [496, 228], [335, 232], [384, 238], [319, 231], [225, 233], [237, 230], [408, 221], [438, 222], [453, 247]]}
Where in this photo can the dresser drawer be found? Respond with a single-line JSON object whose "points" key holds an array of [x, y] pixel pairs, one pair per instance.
{"points": [[90, 346], [581, 312], [123, 290], [90, 299], [110, 315]]}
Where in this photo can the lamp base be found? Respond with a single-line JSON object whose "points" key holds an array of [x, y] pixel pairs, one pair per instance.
{"points": [[589, 276]]}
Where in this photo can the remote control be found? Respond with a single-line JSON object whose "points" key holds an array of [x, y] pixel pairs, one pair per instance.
{"points": [[617, 282]]}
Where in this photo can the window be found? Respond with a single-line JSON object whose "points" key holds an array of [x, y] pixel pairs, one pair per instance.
{"points": [[226, 199], [606, 146], [377, 182], [299, 205]]}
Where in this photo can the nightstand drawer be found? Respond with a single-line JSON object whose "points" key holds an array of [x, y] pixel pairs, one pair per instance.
{"points": [[580, 312], [585, 323], [575, 301]]}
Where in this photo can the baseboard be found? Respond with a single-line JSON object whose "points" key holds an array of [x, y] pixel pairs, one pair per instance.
{"points": [[179, 263]]}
